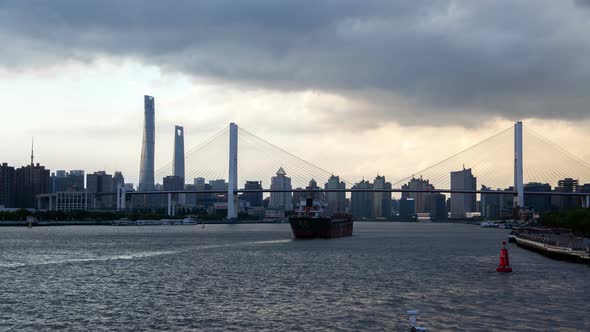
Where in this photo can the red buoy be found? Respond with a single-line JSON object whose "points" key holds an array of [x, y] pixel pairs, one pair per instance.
{"points": [[504, 260]]}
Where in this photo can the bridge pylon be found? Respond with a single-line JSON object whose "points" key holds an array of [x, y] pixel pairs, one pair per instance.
{"points": [[232, 211], [518, 168]]}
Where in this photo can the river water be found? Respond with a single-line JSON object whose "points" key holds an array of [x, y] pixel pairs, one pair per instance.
{"points": [[256, 278]]}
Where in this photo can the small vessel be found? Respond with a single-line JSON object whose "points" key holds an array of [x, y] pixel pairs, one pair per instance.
{"points": [[189, 221], [412, 316], [310, 222]]}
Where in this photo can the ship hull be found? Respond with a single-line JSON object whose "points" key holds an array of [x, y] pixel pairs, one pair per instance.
{"points": [[323, 228]]}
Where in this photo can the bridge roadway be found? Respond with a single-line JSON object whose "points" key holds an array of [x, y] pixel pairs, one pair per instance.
{"points": [[434, 191]]}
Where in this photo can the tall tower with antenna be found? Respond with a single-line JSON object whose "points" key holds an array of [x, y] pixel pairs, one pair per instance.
{"points": [[32, 151]]}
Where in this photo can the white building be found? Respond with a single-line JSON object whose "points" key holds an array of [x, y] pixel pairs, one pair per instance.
{"points": [[281, 200], [67, 201]]}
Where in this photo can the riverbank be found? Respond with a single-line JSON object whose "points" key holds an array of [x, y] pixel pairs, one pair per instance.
{"points": [[554, 243]]}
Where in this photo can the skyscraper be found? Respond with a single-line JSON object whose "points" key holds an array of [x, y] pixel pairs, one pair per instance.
{"points": [[67, 181], [101, 182], [146, 168], [381, 200], [31, 180], [118, 181], [178, 160], [362, 201], [255, 199], [539, 203], [281, 200], [7, 185], [567, 185], [463, 203], [420, 198], [336, 200]]}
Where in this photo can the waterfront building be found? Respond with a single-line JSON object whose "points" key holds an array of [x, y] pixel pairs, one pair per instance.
{"points": [[68, 201], [381, 200], [146, 168], [462, 203], [254, 199], [281, 200], [178, 158], [7, 186], [362, 201], [407, 207], [436, 206], [539, 203], [336, 200]]}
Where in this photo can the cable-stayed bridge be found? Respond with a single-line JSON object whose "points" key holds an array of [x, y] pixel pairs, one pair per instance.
{"points": [[502, 164]]}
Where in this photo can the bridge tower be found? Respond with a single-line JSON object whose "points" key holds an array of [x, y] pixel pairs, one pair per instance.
{"points": [[518, 170], [232, 211]]}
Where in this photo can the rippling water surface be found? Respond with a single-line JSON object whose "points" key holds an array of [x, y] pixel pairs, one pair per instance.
{"points": [[255, 278]]}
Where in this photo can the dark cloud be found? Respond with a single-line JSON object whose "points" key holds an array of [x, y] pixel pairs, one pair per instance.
{"points": [[417, 61]]}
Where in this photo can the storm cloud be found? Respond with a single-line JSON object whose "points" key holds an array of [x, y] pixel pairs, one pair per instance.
{"points": [[414, 62]]}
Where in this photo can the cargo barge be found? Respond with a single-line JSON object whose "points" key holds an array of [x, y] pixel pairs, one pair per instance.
{"points": [[310, 222]]}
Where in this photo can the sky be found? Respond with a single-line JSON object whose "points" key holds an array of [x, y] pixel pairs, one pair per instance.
{"points": [[355, 87]]}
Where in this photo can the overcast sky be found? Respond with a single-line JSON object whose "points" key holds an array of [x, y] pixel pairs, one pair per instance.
{"points": [[356, 87]]}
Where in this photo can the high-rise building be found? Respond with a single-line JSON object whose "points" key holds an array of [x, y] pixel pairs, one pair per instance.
{"points": [[567, 185], [313, 192], [255, 198], [62, 181], [491, 204], [31, 180], [436, 205], [7, 186], [407, 207], [203, 199], [281, 200], [420, 198], [118, 181], [381, 200], [298, 196], [461, 203], [336, 200], [362, 201], [173, 183], [178, 159], [100, 183], [498, 205], [539, 203], [146, 168], [219, 185]]}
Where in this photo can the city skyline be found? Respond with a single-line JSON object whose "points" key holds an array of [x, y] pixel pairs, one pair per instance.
{"points": [[381, 109]]}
